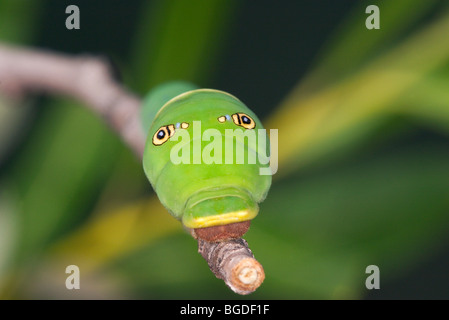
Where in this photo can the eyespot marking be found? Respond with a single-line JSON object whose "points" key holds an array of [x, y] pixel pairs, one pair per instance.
{"points": [[163, 134], [243, 120]]}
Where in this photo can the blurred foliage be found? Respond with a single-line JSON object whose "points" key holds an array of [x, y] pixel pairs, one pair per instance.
{"points": [[179, 40], [363, 164]]}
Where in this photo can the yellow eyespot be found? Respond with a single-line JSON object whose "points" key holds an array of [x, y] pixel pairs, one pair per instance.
{"points": [[243, 120], [163, 134]]}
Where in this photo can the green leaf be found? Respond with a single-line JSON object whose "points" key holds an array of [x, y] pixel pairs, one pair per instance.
{"points": [[59, 173], [352, 45], [18, 19], [13, 119], [180, 40], [428, 102], [345, 110]]}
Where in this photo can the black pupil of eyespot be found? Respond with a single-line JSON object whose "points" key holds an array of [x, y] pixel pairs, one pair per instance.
{"points": [[246, 120], [161, 134]]}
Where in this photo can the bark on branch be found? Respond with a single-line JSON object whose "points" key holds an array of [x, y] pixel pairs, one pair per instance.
{"points": [[85, 78], [89, 80], [233, 262]]}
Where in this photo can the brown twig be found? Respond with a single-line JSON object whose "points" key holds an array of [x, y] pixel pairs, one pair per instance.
{"points": [[233, 262], [89, 80], [84, 78]]}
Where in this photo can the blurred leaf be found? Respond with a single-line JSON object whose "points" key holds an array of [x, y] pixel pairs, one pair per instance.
{"points": [[428, 102], [110, 235], [334, 115], [352, 44], [17, 25], [59, 173], [18, 19], [12, 120], [180, 40]]}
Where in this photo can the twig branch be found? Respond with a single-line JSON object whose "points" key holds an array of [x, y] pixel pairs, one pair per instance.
{"points": [[233, 262], [89, 80], [84, 78]]}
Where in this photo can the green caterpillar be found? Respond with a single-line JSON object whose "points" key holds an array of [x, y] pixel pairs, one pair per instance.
{"points": [[222, 195]]}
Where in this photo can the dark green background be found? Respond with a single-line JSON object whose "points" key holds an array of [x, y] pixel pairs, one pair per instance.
{"points": [[267, 48]]}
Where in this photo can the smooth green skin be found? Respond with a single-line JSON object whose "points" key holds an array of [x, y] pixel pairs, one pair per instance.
{"points": [[201, 195]]}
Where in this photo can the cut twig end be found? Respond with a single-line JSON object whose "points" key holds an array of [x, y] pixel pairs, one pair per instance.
{"points": [[246, 276], [233, 262]]}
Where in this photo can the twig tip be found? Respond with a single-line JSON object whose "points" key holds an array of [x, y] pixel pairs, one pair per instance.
{"points": [[247, 275]]}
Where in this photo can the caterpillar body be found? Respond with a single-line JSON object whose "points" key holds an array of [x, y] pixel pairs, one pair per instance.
{"points": [[215, 197]]}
